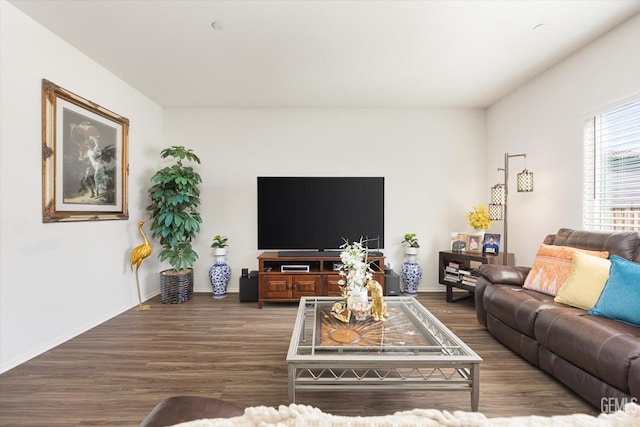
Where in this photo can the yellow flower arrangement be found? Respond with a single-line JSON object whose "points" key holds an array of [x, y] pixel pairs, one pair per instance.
{"points": [[479, 217]]}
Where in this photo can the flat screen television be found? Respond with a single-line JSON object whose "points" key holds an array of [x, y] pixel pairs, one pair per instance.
{"points": [[318, 213]]}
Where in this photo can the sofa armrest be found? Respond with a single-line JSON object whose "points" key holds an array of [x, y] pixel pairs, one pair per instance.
{"points": [[504, 274], [494, 274], [179, 409]]}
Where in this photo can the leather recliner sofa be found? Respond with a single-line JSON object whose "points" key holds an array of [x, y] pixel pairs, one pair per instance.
{"points": [[597, 357]]}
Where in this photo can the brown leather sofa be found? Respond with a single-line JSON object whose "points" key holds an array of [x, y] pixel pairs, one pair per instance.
{"points": [[597, 357]]}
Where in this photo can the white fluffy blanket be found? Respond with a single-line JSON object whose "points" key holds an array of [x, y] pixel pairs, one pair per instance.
{"points": [[302, 416]]}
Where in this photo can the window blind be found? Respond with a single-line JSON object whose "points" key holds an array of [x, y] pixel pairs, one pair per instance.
{"points": [[612, 169]]}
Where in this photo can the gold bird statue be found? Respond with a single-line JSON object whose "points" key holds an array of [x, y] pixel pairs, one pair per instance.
{"points": [[138, 254]]}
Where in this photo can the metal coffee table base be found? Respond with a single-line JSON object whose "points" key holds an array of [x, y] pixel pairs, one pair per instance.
{"points": [[330, 377]]}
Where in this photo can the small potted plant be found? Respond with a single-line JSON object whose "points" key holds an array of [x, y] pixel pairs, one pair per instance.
{"points": [[220, 244], [220, 272], [175, 198], [411, 243]]}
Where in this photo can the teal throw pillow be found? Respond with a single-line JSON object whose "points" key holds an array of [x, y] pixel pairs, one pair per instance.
{"points": [[620, 298]]}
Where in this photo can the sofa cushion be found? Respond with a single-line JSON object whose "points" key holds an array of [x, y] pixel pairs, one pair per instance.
{"points": [[586, 281], [515, 306], [551, 267], [545, 321], [602, 347], [620, 298]]}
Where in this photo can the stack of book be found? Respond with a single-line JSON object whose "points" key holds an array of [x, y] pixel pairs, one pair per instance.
{"points": [[452, 272], [469, 277], [456, 273]]}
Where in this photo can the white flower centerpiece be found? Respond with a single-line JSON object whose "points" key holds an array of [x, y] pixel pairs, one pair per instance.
{"points": [[355, 273]]}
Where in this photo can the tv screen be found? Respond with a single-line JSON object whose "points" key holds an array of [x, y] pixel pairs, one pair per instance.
{"points": [[320, 212]]}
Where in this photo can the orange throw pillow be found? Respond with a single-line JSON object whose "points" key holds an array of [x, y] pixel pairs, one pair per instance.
{"points": [[552, 266]]}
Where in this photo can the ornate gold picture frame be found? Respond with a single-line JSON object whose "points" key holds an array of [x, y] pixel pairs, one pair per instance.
{"points": [[84, 159]]}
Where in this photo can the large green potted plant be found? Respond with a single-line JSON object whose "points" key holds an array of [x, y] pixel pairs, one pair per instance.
{"points": [[175, 198]]}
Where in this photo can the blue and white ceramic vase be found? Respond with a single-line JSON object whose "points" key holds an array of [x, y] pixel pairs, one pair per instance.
{"points": [[220, 274], [411, 272]]}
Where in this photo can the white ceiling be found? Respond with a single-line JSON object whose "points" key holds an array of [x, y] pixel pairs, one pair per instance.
{"points": [[340, 53]]}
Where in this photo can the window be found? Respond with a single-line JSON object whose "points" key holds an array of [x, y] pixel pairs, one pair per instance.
{"points": [[612, 169]]}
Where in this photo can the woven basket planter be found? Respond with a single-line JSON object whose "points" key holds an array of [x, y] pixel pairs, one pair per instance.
{"points": [[176, 288]]}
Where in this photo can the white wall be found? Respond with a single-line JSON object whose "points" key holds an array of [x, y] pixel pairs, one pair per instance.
{"points": [[58, 280], [432, 161], [544, 119]]}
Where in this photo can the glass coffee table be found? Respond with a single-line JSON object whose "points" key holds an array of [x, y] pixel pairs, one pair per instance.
{"points": [[411, 350]]}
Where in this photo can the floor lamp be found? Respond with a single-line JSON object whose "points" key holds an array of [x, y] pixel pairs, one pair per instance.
{"points": [[500, 193]]}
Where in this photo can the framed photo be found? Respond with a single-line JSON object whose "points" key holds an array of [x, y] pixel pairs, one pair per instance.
{"points": [[491, 244], [84, 159], [459, 242], [474, 243]]}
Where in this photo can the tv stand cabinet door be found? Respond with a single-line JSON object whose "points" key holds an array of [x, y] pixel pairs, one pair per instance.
{"points": [[333, 285], [307, 285], [276, 286]]}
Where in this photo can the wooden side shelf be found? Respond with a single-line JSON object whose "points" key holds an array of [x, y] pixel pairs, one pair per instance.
{"points": [[459, 270], [287, 278]]}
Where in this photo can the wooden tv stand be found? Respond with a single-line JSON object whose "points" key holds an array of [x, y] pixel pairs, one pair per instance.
{"points": [[308, 275]]}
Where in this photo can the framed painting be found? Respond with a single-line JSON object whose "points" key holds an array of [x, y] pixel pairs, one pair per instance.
{"points": [[84, 159]]}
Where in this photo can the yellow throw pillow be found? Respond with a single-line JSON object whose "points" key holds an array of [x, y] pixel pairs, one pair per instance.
{"points": [[552, 266], [585, 283]]}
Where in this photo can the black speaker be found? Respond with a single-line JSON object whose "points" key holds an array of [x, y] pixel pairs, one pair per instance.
{"points": [[391, 283], [249, 288]]}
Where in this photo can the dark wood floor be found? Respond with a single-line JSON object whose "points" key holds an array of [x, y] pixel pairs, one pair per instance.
{"points": [[115, 373]]}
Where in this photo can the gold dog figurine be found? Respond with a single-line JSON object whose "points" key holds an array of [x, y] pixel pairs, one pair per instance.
{"points": [[378, 306]]}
